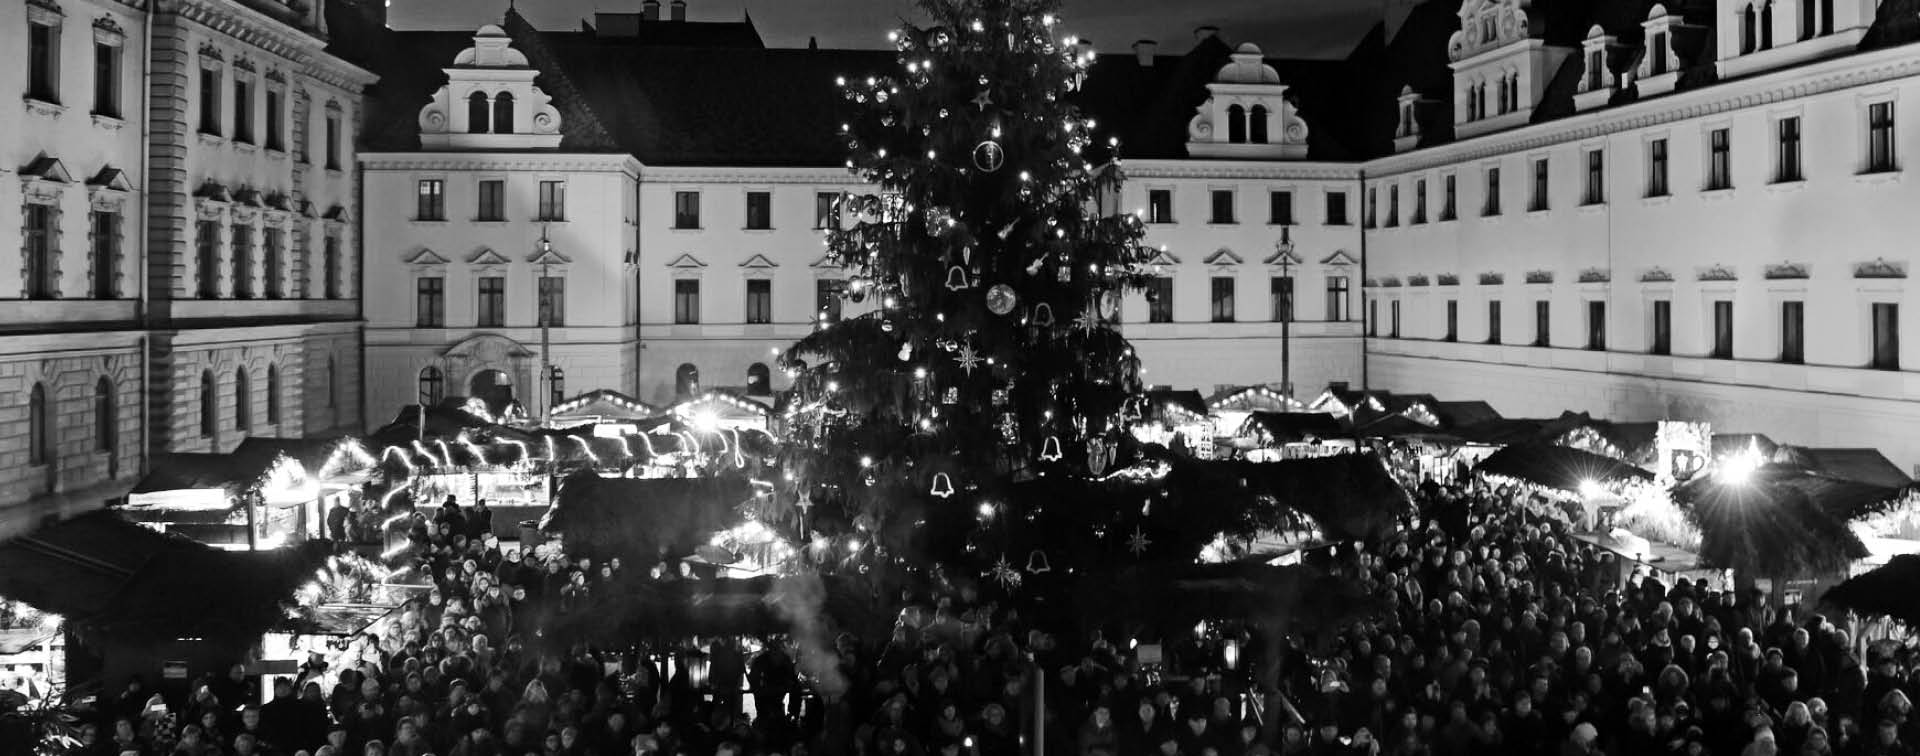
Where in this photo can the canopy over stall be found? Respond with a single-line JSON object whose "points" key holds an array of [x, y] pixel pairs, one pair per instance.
{"points": [[1558, 467]]}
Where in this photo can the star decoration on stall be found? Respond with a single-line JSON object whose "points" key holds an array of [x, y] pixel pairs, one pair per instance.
{"points": [[983, 101], [1139, 542], [1088, 319], [968, 358], [1004, 573]]}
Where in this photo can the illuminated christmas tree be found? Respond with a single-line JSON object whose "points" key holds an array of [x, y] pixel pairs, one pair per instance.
{"points": [[995, 262]]}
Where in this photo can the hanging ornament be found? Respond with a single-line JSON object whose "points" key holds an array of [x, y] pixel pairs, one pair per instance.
{"points": [[983, 100], [1097, 456], [942, 485], [886, 119], [906, 351], [1050, 450], [968, 359], [1064, 271], [1009, 429], [988, 156], [1000, 397], [1004, 573], [1139, 542], [940, 38], [1043, 315], [952, 396], [1001, 299], [1087, 320], [1110, 305], [805, 502], [957, 279], [940, 220], [1037, 563]]}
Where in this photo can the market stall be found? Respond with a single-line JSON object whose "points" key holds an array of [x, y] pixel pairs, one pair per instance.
{"points": [[260, 496], [1269, 436]]}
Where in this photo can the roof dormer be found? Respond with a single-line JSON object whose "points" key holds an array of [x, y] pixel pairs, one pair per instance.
{"points": [[1407, 129], [490, 101], [1659, 67], [1597, 81], [1247, 114], [1501, 65], [1762, 35]]}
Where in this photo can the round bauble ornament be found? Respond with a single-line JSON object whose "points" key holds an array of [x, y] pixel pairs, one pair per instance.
{"points": [[989, 156], [1001, 299]]}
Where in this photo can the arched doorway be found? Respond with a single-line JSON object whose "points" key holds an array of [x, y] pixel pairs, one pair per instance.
{"points": [[492, 387]]}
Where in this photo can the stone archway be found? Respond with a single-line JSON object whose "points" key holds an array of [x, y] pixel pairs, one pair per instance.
{"points": [[482, 361]]}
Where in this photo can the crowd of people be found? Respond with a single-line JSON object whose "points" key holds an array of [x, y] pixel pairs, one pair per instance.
{"points": [[1505, 635]]}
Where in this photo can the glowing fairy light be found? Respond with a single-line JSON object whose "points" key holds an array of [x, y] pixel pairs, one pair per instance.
{"points": [[552, 455], [626, 449], [588, 448]]}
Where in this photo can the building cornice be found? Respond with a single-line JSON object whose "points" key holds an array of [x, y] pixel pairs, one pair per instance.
{"points": [[1794, 83], [500, 161], [709, 174], [1266, 170], [273, 36]]}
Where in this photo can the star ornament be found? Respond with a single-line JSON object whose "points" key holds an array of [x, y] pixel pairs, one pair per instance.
{"points": [[1004, 574], [968, 358], [1139, 542], [1088, 319], [983, 100]]}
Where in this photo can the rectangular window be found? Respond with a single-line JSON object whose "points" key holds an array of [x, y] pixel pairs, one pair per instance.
{"points": [[431, 205], [1662, 341], [1449, 205], [1373, 318], [1222, 300], [1597, 325], [1453, 321], [1596, 177], [493, 302], [1492, 206], [1722, 330], [276, 121], [759, 211], [826, 298], [1223, 206], [1539, 199], [552, 301], [333, 142], [330, 267], [1793, 332], [1336, 299], [1393, 319], [210, 101], [242, 261], [1658, 54], [43, 62], [1336, 208], [1372, 217], [686, 209], [106, 80], [825, 213], [1880, 155], [274, 242], [1786, 160], [1160, 300], [1493, 322], [686, 301], [242, 110], [1160, 206], [206, 252], [1393, 205], [553, 201], [1596, 70], [1719, 159], [493, 201], [759, 301], [106, 252], [1886, 336], [1280, 296], [1419, 201], [430, 302], [1657, 168], [1542, 323], [1280, 208]]}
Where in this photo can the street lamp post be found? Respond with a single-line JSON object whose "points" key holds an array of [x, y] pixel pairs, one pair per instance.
{"points": [[1284, 248], [544, 308]]}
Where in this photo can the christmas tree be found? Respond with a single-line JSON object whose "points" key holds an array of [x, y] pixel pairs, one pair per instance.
{"points": [[995, 269]]}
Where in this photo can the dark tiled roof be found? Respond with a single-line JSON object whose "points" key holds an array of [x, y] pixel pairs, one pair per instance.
{"points": [[630, 28]]}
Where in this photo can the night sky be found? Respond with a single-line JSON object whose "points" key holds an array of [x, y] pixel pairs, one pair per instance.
{"points": [[1283, 28]]}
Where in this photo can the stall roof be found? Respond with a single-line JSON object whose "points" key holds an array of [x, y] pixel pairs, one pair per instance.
{"points": [[605, 403], [1461, 414], [1190, 401], [1400, 426], [1730, 443], [190, 471], [1859, 465], [1295, 427], [1557, 466]]}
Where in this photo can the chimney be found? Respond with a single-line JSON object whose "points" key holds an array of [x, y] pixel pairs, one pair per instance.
{"points": [[650, 10], [679, 10], [1144, 50], [1205, 33]]}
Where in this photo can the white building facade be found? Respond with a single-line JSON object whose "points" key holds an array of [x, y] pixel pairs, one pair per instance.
{"points": [[173, 238]]}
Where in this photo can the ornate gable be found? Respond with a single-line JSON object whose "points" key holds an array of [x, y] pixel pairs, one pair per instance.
{"points": [[426, 257], [486, 257], [1340, 257], [687, 262], [1224, 257], [759, 262], [1487, 25], [1247, 114], [490, 101]]}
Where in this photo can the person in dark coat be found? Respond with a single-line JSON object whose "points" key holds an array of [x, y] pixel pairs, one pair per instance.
{"points": [[479, 520]]}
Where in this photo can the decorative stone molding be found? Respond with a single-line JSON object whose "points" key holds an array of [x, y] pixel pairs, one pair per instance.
{"points": [[243, 65], [107, 31], [1596, 275], [1448, 279], [1787, 270], [1487, 25], [1656, 275], [274, 75], [211, 58], [1880, 268], [1390, 282], [1539, 276], [108, 122], [108, 191], [1370, 283], [1223, 258], [1717, 272], [1340, 259], [1493, 279], [52, 208], [39, 107], [1417, 279], [45, 12]]}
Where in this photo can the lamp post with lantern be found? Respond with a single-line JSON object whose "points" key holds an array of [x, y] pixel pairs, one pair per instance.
{"points": [[1284, 253]]}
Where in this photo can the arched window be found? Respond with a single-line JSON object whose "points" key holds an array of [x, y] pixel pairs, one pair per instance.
{"points": [[759, 380], [273, 395], [1473, 102], [1808, 18], [106, 423], [686, 381], [503, 113], [1747, 31], [1826, 16], [209, 408], [39, 427], [1766, 26], [1236, 124], [433, 386], [477, 113], [242, 400], [1257, 124]]}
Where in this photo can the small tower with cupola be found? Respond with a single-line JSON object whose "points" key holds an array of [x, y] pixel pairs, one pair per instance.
{"points": [[490, 101], [1247, 114]]}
